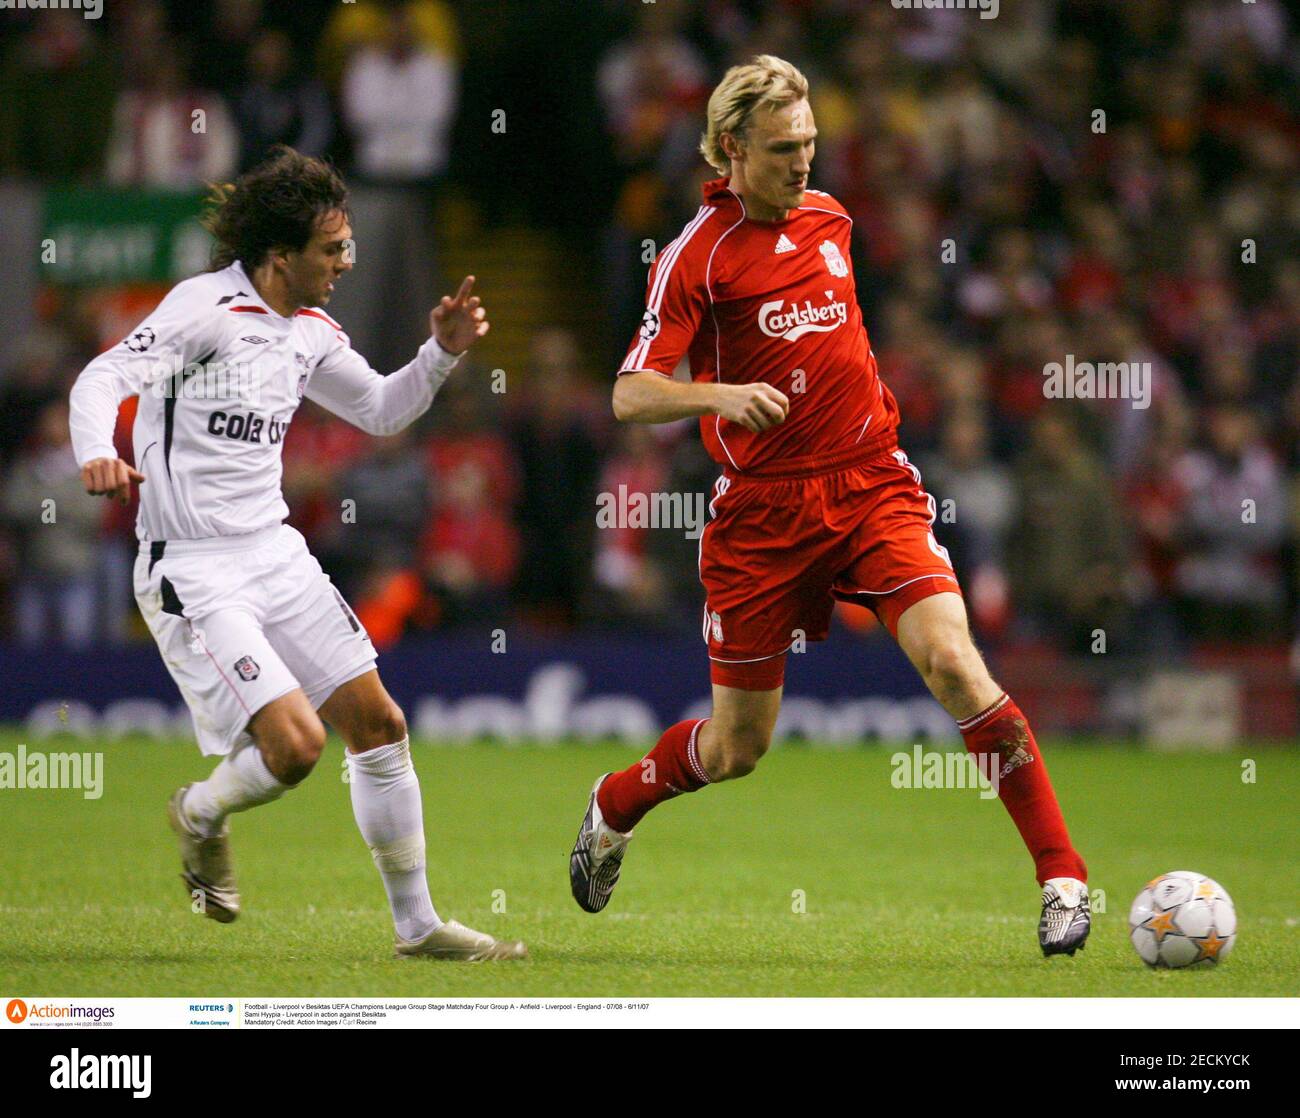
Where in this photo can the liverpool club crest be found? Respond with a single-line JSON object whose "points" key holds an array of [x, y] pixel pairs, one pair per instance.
{"points": [[834, 261]]}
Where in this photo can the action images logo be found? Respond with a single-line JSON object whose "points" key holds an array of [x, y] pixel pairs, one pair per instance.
{"points": [[801, 319]]}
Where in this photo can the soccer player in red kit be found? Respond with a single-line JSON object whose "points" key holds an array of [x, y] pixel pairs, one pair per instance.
{"points": [[816, 501]]}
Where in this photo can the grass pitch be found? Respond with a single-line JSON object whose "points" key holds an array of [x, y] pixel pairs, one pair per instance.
{"points": [[904, 892]]}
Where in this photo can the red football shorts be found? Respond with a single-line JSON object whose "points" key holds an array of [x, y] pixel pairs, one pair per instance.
{"points": [[780, 548]]}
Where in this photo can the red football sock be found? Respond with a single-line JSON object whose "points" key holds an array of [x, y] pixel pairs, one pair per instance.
{"points": [[669, 769], [1024, 787]]}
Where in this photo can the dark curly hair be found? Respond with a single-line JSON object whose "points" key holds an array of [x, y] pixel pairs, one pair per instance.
{"points": [[275, 205]]}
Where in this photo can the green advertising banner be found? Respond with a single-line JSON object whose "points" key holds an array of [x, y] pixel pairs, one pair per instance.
{"points": [[94, 237]]}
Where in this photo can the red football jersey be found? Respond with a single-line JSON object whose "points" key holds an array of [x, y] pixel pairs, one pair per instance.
{"points": [[768, 302]]}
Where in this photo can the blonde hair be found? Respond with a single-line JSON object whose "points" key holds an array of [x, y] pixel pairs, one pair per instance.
{"points": [[766, 82]]}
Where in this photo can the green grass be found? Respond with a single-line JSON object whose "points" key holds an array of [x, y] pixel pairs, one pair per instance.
{"points": [[907, 892]]}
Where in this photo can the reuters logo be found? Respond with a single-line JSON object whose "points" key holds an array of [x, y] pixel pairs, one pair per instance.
{"points": [[16, 1011]]}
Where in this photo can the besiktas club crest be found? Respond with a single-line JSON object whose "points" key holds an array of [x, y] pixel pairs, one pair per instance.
{"points": [[247, 668]]}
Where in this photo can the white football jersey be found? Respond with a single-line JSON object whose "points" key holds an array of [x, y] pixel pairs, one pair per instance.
{"points": [[219, 375]]}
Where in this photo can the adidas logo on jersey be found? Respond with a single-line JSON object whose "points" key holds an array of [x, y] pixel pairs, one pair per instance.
{"points": [[785, 245]]}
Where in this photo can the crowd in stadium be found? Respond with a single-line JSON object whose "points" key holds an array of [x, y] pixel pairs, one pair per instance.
{"points": [[1103, 181]]}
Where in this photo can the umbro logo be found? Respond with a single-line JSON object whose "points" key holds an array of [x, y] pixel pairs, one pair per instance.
{"points": [[254, 339], [231, 298], [785, 245]]}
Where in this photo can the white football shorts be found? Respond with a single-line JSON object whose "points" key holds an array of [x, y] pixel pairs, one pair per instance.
{"points": [[242, 620]]}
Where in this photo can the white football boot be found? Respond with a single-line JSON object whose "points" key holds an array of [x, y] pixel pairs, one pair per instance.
{"points": [[453, 940], [1067, 916], [597, 857], [205, 864]]}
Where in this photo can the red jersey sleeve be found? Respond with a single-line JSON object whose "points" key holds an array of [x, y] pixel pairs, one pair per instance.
{"points": [[676, 302]]}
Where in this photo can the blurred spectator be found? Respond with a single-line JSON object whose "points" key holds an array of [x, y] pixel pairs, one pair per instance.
{"points": [[976, 498], [229, 38], [57, 527], [278, 105], [57, 87], [1156, 498], [42, 372], [317, 449], [168, 134], [366, 23], [652, 87], [628, 581], [384, 499], [559, 462], [470, 550], [398, 100], [1067, 551], [1229, 574], [1010, 284], [648, 80]]}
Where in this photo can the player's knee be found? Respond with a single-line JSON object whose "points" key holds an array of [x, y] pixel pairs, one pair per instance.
{"points": [[951, 663], [301, 743], [391, 724]]}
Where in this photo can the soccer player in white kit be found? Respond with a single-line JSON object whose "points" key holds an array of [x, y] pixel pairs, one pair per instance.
{"points": [[260, 643]]}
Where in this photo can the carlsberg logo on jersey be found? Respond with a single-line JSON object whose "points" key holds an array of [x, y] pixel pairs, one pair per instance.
{"points": [[801, 319]]}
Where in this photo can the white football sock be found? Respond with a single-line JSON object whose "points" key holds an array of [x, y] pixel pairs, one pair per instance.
{"points": [[386, 803], [241, 781]]}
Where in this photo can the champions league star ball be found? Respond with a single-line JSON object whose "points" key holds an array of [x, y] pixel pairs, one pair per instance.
{"points": [[1181, 919]]}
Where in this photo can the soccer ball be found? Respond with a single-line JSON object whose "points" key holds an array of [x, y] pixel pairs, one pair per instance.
{"points": [[1181, 919]]}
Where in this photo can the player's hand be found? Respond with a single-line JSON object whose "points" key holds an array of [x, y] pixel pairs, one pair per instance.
{"points": [[756, 407], [456, 323], [111, 478]]}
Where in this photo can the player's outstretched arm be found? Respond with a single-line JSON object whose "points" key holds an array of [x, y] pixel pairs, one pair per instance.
{"points": [[649, 397], [346, 385]]}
